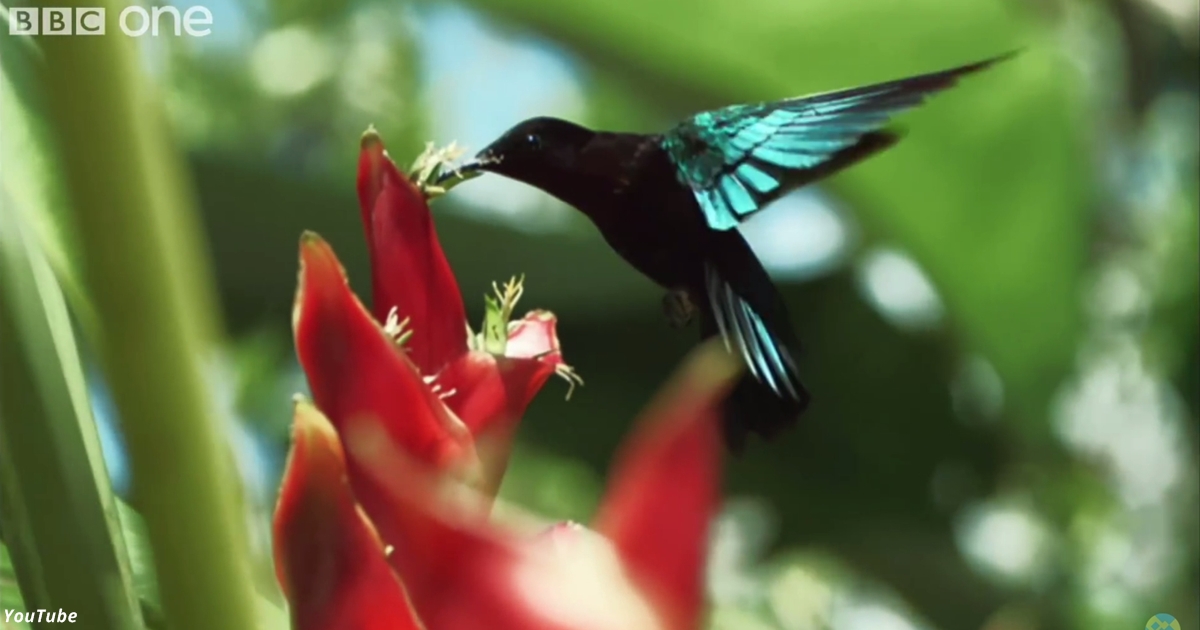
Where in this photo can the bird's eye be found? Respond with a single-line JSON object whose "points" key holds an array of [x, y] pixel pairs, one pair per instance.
{"points": [[533, 141]]}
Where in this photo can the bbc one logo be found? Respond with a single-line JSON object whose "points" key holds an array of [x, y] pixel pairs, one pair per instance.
{"points": [[134, 21]]}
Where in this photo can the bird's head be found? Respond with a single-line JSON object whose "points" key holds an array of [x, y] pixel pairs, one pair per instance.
{"points": [[532, 150]]}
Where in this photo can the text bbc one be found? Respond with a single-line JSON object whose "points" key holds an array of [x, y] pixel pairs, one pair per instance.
{"points": [[133, 21]]}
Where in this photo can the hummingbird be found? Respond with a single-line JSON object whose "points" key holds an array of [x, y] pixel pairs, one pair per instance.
{"points": [[670, 203]]}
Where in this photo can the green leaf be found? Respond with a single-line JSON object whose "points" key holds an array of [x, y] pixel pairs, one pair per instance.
{"points": [[141, 559], [29, 166], [141, 562], [56, 504], [10, 592], [270, 616], [987, 190]]}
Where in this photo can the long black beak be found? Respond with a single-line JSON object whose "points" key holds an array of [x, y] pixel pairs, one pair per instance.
{"points": [[469, 169]]}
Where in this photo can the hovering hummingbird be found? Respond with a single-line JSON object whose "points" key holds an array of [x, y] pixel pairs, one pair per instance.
{"points": [[669, 204]]}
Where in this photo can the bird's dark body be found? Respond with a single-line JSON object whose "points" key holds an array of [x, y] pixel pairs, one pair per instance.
{"points": [[668, 204], [642, 214]]}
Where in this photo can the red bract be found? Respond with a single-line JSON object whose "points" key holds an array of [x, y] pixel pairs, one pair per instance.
{"points": [[362, 380], [356, 372], [671, 469], [409, 271], [328, 558], [645, 571]]}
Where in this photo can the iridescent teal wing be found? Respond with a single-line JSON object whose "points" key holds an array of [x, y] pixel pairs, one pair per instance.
{"points": [[740, 158]]}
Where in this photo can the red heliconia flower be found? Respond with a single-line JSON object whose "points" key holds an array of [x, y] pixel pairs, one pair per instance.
{"points": [[488, 379], [383, 519], [427, 385], [641, 569], [356, 370], [361, 379], [329, 560]]}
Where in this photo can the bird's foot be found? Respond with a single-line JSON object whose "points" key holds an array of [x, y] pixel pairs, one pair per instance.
{"points": [[679, 308]]}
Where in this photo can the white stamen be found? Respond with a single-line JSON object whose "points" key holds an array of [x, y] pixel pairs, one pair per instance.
{"points": [[569, 374], [394, 327], [428, 167]]}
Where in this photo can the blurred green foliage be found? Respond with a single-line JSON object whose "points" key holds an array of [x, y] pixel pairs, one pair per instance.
{"points": [[31, 168], [56, 502], [10, 592]]}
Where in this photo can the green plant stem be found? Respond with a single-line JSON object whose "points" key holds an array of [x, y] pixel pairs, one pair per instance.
{"points": [[154, 305]]}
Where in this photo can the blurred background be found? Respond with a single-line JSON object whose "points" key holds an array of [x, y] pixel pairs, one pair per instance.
{"points": [[1000, 314]]}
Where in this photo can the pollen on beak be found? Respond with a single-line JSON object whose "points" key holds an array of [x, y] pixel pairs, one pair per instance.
{"points": [[469, 169], [484, 159], [472, 166]]}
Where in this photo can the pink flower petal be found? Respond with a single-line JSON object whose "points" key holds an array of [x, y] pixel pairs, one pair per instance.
{"points": [[535, 336]]}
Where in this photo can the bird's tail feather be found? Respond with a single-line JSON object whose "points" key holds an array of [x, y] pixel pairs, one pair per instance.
{"points": [[753, 407], [742, 305]]}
